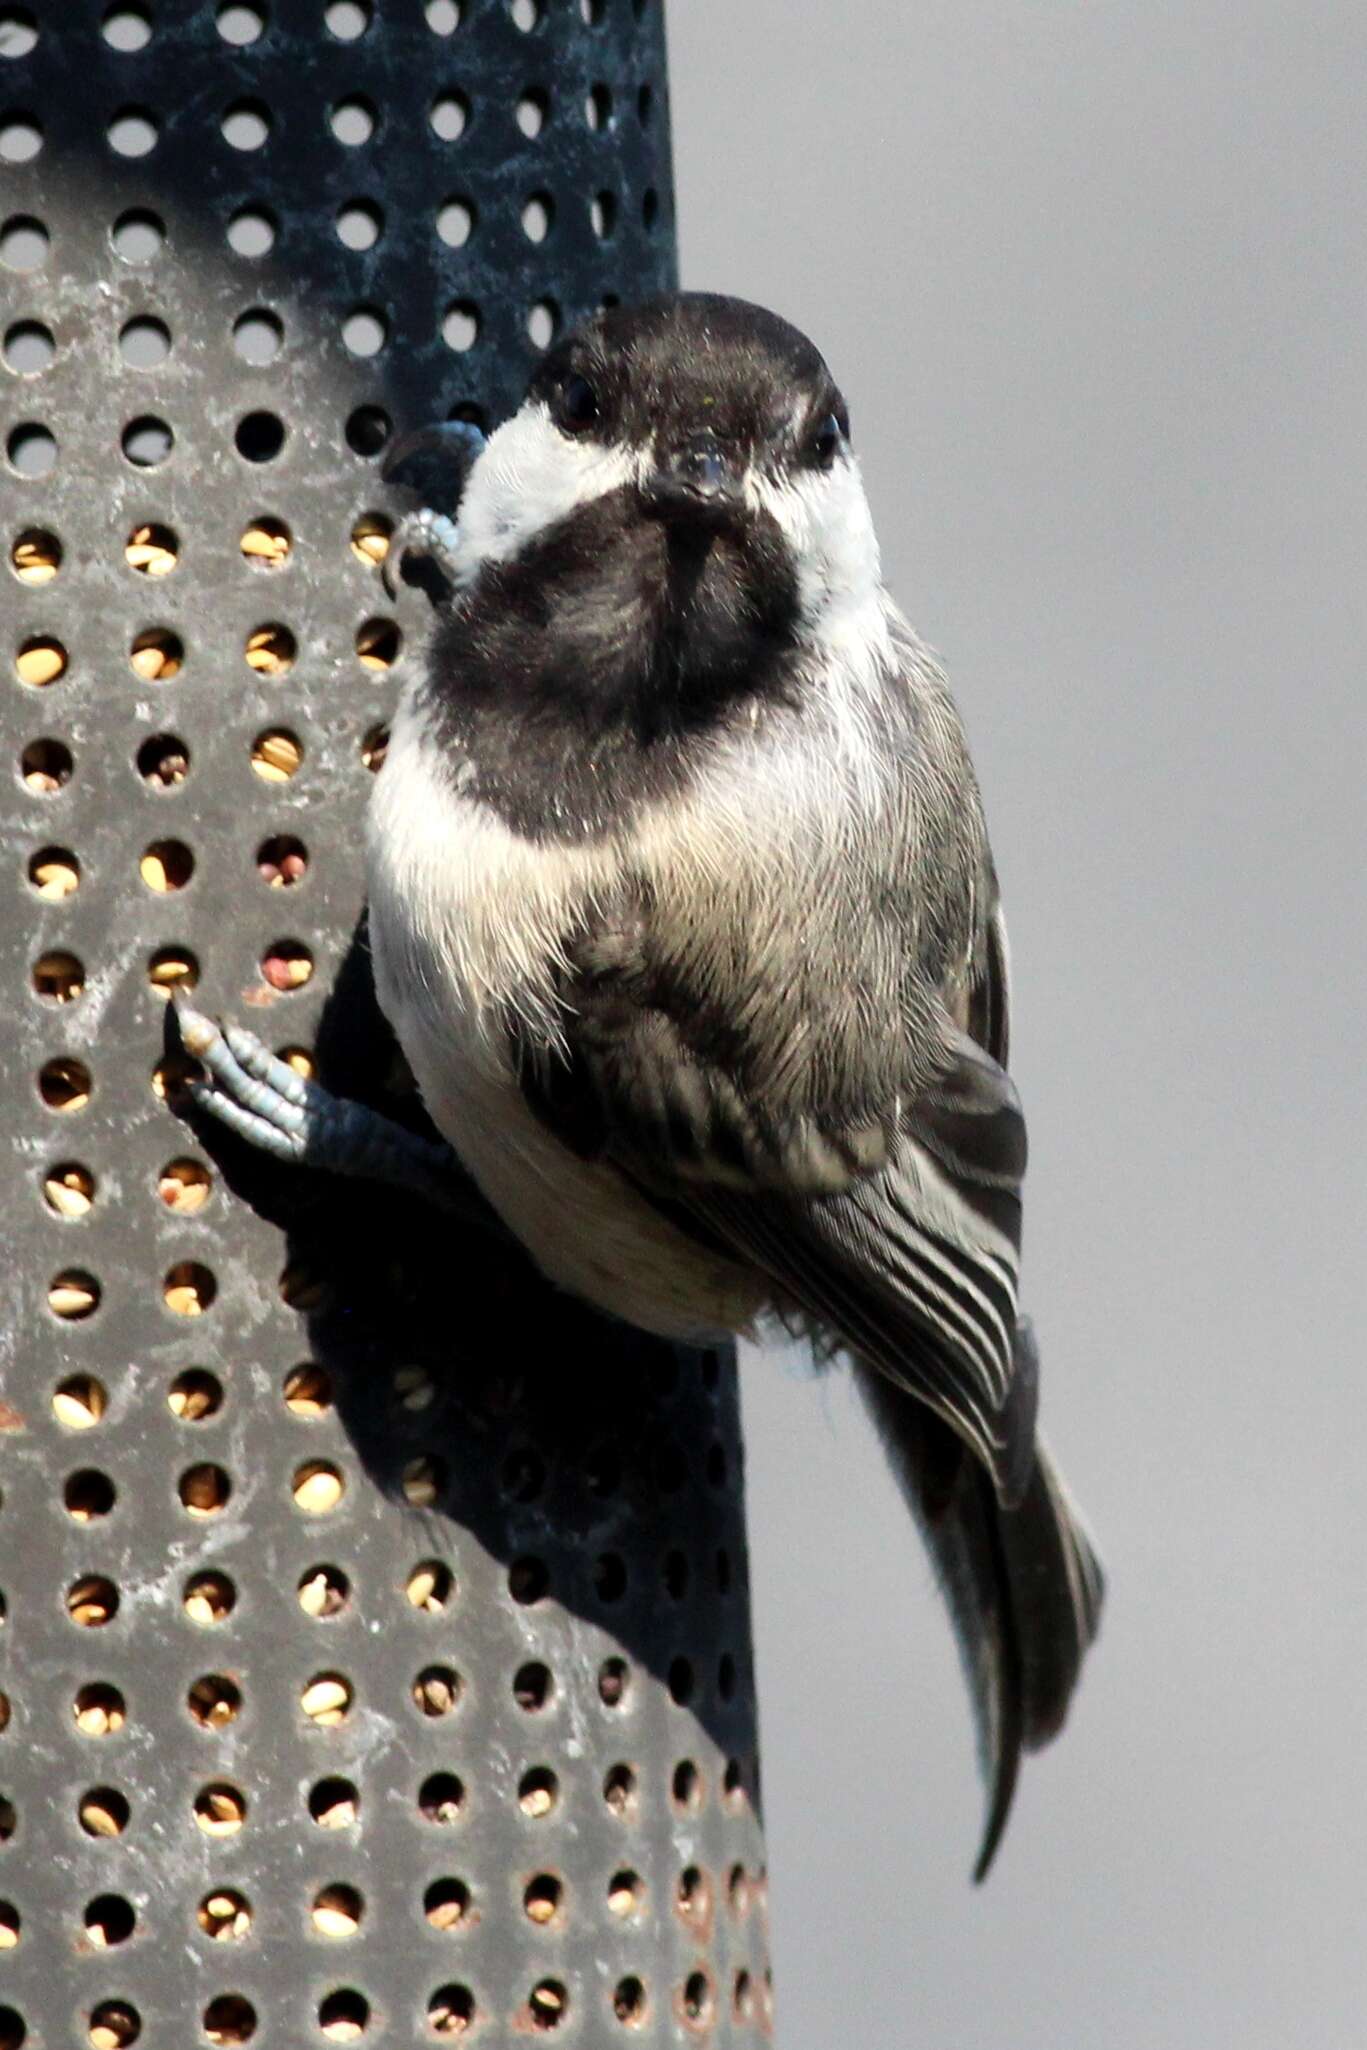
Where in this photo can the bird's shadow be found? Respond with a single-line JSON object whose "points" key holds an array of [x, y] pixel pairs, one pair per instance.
{"points": [[531, 1421]]}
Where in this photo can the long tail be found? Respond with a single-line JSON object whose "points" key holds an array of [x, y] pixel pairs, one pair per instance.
{"points": [[1023, 1586]]}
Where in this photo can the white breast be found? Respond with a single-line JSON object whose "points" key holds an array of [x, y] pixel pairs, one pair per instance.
{"points": [[468, 922]]}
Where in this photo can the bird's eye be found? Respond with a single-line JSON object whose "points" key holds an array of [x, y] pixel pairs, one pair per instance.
{"points": [[577, 406], [826, 441]]}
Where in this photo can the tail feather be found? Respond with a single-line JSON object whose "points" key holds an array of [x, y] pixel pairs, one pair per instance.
{"points": [[1023, 1586]]}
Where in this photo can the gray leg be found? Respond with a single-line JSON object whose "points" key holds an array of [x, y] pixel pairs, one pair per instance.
{"points": [[423, 533], [265, 1102]]}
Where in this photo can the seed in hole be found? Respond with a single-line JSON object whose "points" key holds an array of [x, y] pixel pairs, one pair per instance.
{"points": [[64, 1084], [288, 965], [167, 865], [451, 2011], [327, 1700], [10, 1920], [429, 1586], [537, 1792], [163, 761], [436, 1690], [58, 977], [422, 1481], [259, 437], [204, 1489], [40, 661], [224, 1916], [344, 2015], [109, 1919], [185, 1186], [147, 442], [693, 1896], [686, 1786], [379, 643], [229, 2018], [189, 1289], [548, 2004], [172, 1077], [79, 1402], [99, 1710], [614, 1677], [152, 551], [619, 1790], [45, 766], [301, 1289], [370, 539], [281, 861], [88, 1495], [36, 556], [629, 2002], [697, 1998], [209, 1598], [626, 1894], [323, 1591], [266, 544], [317, 1487], [733, 1784], [276, 755], [114, 2025], [220, 1809], [541, 1898], [69, 1189], [415, 1388], [157, 654], [446, 1903], [92, 1601], [300, 1060], [532, 1686], [334, 1803], [54, 872], [337, 1912], [194, 1395], [308, 1391], [103, 1812], [214, 1701], [270, 650], [441, 1797]]}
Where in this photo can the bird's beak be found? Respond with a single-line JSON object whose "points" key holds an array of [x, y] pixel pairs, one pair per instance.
{"points": [[435, 461], [699, 484]]}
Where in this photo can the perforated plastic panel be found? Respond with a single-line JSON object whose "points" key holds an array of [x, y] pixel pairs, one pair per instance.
{"points": [[375, 1641]]}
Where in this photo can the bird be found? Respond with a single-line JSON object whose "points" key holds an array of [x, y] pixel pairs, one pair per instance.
{"points": [[683, 911]]}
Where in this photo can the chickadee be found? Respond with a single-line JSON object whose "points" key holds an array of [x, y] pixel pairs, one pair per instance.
{"points": [[683, 911]]}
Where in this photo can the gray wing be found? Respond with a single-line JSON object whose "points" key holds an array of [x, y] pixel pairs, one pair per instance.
{"points": [[894, 1229]]}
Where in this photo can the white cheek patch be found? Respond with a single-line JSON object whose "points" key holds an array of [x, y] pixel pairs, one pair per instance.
{"points": [[825, 518], [528, 476]]}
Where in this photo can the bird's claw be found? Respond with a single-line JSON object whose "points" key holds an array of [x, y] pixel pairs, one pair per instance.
{"points": [[423, 533]]}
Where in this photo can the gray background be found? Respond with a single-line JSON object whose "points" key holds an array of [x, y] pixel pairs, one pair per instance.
{"points": [[1093, 280]]}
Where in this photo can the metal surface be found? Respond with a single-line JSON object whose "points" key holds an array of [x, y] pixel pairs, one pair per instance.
{"points": [[408, 1696]]}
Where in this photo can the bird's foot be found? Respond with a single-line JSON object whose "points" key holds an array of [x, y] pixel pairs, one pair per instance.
{"points": [[264, 1101], [427, 535]]}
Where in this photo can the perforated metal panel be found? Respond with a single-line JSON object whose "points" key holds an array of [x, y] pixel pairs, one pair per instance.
{"points": [[375, 1642]]}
